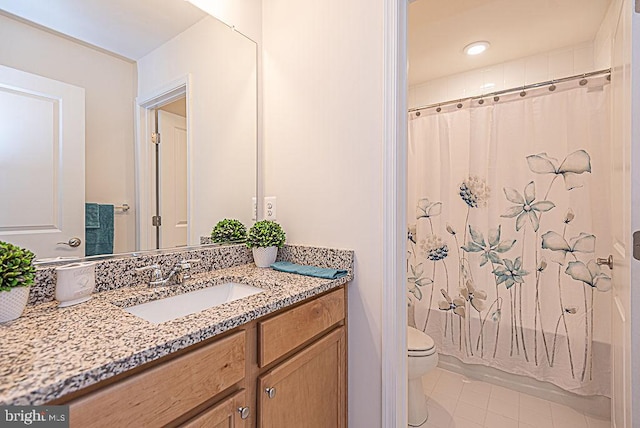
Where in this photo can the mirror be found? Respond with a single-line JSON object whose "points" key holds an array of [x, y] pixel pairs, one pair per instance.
{"points": [[132, 60]]}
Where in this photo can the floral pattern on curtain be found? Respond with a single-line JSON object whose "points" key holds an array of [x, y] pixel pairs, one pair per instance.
{"points": [[508, 209]]}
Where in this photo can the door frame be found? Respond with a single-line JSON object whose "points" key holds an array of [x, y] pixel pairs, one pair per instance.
{"points": [[144, 159], [394, 171], [634, 215]]}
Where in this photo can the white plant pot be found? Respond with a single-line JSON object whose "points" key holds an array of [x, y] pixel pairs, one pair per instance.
{"points": [[12, 303], [264, 256]]}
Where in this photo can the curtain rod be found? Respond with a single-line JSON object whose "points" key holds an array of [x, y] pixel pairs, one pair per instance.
{"points": [[519, 88]]}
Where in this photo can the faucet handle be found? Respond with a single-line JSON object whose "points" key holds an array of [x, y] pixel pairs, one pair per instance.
{"points": [[186, 264], [156, 272], [185, 267]]}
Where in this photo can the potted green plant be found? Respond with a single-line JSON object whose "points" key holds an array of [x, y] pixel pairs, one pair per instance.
{"points": [[229, 231], [264, 239], [16, 275]]}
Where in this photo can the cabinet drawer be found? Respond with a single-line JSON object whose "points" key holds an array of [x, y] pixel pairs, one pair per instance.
{"points": [[225, 414], [161, 394], [283, 333]]}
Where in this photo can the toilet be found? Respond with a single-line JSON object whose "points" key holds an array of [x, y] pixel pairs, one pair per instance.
{"points": [[421, 351]]}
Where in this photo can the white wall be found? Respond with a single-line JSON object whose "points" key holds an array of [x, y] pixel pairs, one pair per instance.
{"points": [[323, 127], [109, 84], [565, 62], [603, 42], [222, 165]]}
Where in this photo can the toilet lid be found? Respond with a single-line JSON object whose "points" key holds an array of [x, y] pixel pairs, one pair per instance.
{"points": [[418, 341]]}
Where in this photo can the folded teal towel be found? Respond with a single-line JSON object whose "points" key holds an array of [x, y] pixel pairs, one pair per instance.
{"points": [[91, 216], [309, 270]]}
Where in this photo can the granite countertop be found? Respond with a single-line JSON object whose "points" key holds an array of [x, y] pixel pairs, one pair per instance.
{"points": [[50, 352]]}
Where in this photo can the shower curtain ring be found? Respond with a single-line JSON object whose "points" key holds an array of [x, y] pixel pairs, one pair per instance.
{"points": [[523, 93], [553, 86], [439, 109]]}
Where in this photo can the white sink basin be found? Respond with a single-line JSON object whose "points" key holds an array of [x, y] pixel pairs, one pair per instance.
{"points": [[181, 305]]}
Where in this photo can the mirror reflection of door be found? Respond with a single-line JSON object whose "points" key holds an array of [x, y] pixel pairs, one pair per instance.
{"points": [[172, 175], [41, 164]]}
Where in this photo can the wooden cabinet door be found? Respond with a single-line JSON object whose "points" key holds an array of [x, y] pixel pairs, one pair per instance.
{"points": [[309, 389], [226, 414]]}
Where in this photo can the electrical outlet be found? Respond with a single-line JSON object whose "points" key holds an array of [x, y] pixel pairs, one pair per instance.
{"points": [[270, 208], [254, 209]]}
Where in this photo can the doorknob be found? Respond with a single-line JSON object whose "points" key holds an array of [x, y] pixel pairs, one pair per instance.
{"points": [[73, 242], [608, 261]]}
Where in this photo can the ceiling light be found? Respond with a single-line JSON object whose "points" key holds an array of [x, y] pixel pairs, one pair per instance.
{"points": [[476, 48]]}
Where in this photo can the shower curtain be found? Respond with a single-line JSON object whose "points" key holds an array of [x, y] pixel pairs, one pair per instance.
{"points": [[508, 211]]}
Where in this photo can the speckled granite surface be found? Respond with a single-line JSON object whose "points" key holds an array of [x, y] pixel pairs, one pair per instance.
{"points": [[50, 351], [120, 272]]}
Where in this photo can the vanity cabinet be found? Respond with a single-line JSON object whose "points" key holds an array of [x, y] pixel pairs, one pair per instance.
{"points": [[287, 369]]}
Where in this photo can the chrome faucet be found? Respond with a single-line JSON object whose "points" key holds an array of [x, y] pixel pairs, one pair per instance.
{"points": [[181, 272]]}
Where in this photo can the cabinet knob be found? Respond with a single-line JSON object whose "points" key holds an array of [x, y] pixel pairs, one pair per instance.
{"points": [[244, 412], [271, 392]]}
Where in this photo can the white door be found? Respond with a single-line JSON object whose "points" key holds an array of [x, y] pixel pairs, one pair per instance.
{"points": [[41, 163], [626, 208], [173, 179]]}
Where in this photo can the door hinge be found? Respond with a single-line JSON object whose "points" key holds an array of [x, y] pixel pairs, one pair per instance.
{"points": [[636, 245], [155, 138], [156, 220]]}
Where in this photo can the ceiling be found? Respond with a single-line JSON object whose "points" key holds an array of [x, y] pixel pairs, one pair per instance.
{"points": [[439, 30], [129, 28]]}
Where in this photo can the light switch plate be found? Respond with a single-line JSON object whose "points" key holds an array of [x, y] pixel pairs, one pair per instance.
{"points": [[270, 208]]}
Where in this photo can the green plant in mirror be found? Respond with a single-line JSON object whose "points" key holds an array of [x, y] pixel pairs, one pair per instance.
{"points": [[266, 233], [16, 268], [229, 231]]}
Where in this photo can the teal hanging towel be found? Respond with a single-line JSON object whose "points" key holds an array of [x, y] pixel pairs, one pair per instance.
{"points": [[99, 235]]}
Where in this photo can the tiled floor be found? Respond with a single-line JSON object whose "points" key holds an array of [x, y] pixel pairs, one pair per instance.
{"points": [[458, 402]]}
